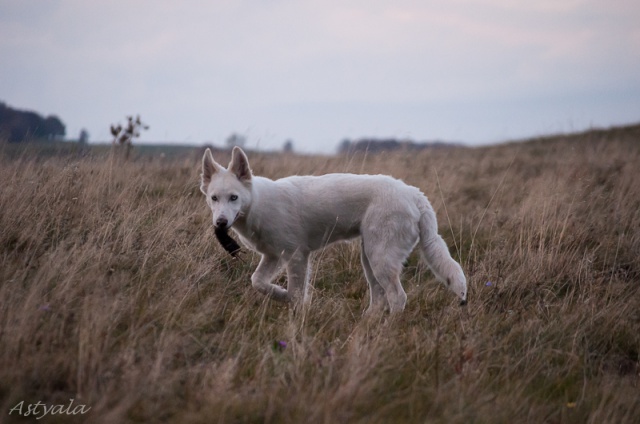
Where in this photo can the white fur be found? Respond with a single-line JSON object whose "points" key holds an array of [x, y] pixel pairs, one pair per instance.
{"points": [[287, 219]]}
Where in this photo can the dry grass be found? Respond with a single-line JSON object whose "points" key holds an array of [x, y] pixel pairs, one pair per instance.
{"points": [[115, 293]]}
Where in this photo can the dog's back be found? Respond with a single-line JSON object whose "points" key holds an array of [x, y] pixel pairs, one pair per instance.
{"points": [[331, 207]]}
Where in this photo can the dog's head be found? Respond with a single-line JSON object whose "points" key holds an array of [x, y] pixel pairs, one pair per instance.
{"points": [[227, 190]]}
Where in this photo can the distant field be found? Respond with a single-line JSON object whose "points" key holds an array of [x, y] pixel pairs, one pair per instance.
{"points": [[114, 293]]}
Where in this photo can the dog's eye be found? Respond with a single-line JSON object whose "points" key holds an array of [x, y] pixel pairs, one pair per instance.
{"points": [[233, 197], [214, 198]]}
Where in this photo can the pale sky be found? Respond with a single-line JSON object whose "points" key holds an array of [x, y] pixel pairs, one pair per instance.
{"points": [[316, 72]]}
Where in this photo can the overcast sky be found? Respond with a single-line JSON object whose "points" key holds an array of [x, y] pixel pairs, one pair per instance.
{"points": [[316, 72]]}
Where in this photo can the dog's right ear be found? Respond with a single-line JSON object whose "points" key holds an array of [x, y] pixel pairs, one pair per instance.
{"points": [[239, 165], [209, 168]]}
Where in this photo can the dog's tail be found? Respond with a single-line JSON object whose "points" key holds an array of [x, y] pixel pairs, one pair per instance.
{"points": [[436, 254]]}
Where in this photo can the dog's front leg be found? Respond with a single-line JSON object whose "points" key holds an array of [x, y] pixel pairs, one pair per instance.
{"points": [[298, 277], [262, 279]]}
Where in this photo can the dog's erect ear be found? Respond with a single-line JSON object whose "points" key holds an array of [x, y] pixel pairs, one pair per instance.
{"points": [[239, 165], [209, 167]]}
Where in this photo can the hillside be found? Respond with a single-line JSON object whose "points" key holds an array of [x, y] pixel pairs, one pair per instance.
{"points": [[115, 294]]}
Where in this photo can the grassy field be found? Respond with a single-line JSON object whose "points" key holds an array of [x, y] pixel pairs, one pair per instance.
{"points": [[114, 293]]}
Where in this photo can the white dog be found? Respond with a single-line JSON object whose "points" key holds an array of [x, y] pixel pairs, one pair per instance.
{"points": [[287, 219]]}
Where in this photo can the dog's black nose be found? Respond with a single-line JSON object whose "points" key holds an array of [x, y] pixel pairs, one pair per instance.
{"points": [[221, 222], [463, 302]]}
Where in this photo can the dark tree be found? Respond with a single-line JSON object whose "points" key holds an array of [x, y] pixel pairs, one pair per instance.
{"points": [[83, 138], [345, 146], [124, 135], [53, 128], [236, 140], [17, 126]]}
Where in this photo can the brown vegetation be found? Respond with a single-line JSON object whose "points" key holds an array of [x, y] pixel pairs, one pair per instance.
{"points": [[115, 293]]}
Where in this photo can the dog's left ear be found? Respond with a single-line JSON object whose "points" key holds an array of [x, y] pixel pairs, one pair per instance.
{"points": [[239, 165], [209, 167]]}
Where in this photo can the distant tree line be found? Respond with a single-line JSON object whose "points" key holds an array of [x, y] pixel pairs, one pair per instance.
{"points": [[373, 145], [18, 125]]}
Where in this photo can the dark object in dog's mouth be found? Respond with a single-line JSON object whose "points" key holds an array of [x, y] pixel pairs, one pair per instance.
{"points": [[229, 244]]}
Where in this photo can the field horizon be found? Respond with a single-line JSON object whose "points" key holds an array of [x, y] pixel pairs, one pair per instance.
{"points": [[116, 295]]}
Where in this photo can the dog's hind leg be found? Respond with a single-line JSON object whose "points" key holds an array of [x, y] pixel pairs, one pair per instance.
{"points": [[386, 267], [387, 247], [262, 279], [377, 298]]}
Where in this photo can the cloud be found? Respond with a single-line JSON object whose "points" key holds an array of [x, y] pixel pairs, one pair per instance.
{"points": [[203, 69]]}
